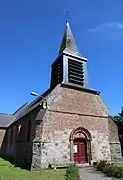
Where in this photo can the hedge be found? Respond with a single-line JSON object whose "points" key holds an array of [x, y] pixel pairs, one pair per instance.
{"points": [[110, 169]]}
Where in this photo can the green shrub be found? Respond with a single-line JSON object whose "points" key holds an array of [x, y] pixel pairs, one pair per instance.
{"points": [[72, 173], [108, 170], [100, 165], [113, 170]]}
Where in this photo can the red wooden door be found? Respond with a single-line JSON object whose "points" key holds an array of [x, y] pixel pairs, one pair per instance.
{"points": [[79, 152]]}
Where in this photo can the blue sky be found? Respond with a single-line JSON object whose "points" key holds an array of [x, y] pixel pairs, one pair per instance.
{"points": [[30, 36]]}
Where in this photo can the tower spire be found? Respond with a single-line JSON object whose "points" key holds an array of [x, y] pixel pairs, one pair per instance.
{"points": [[68, 43], [69, 67]]}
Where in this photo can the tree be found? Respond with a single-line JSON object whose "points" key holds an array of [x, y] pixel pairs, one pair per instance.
{"points": [[118, 119]]}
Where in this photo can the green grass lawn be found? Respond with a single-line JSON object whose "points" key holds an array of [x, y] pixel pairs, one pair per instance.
{"points": [[8, 172]]}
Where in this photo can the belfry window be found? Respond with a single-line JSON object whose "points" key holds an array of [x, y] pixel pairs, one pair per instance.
{"points": [[57, 72], [75, 72]]}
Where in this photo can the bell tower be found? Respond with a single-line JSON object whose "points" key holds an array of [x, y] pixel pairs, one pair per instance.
{"points": [[70, 66]]}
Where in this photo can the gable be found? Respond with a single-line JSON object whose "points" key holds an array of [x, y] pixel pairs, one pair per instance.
{"points": [[76, 101]]}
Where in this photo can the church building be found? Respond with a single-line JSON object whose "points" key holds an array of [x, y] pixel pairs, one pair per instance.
{"points": [[67, 123]]}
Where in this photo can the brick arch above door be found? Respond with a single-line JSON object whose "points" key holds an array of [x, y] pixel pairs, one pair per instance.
{"points": [[80, 132]]}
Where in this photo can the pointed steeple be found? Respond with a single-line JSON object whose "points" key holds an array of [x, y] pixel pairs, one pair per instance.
{"points": [[70, 66], [68, 43]]}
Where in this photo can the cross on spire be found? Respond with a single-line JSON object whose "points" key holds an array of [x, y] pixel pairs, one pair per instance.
{"points": [[67, 15]]}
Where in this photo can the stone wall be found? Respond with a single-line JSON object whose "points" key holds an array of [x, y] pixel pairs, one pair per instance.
{"points": [[100, 146], [69, 109], [37, 147], [115, 146]]}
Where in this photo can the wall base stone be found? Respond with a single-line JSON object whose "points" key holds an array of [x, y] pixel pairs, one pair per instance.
{"points": [[115, 149], [36, 157]]}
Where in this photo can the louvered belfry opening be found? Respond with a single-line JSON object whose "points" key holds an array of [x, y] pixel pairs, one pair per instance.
{"points": [[75, 72], [57, 72]]}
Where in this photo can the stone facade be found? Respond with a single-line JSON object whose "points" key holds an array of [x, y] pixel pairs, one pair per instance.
{"points": [[36, 144], [115, 146], [69, 109]]}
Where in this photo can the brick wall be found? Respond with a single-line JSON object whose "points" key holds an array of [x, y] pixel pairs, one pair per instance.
{"points": [[69, 109], [77, 101]]}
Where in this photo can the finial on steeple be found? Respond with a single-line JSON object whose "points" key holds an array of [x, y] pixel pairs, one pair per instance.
{"points": [[67, 15]]}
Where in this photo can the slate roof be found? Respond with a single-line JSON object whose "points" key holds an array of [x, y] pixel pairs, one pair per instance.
{"points": [[68, 42], [20, 110], [26, 110], [6, 119]]}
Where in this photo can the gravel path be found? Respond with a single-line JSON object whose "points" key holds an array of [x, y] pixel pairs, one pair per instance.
{"points": [[89, 173]]}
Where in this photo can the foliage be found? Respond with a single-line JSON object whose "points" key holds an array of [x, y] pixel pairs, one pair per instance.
{"points": [[8, 172], [72, 173], [110, 169], [118, 119], [100, 165], [113, 170]]}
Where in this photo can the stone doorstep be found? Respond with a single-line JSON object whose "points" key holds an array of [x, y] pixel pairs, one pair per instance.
{"points": [[67, 164], [64, 165], [83, 165]]}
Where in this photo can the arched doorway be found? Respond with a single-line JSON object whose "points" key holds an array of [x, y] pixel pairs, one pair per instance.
{"points": [[80, 146]]}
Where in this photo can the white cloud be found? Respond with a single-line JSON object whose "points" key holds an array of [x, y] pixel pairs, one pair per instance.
{"points": [[107, 26]]}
